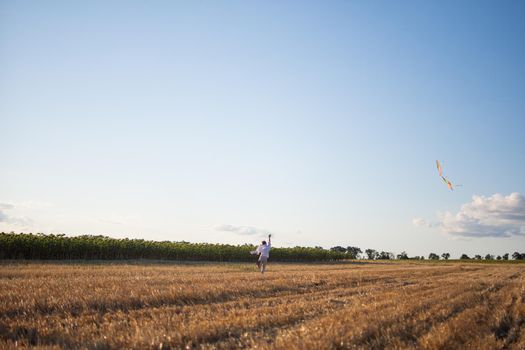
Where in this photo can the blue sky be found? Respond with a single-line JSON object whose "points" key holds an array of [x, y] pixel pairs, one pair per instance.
{"points": [[317, 121]]}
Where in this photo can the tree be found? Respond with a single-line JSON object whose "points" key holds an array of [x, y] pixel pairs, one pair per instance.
{"points": [[338, 249], [353, 252], [445, 256], [498, 257], [371, 254], [385, 256], [489, 257], [505, 256], [433, 256], [402, 256], [518, 256], [464, 257], [477, 257]]}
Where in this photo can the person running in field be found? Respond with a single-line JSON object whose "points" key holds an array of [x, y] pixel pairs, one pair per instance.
{"points": [[264, 253]]}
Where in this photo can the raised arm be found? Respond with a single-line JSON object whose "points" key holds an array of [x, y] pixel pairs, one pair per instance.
{"points": [[270, 239]]}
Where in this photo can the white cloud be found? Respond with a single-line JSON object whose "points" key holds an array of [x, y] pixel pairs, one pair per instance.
{"points": [[420, 222], [242, 230], [13, 222], [493, 216]]}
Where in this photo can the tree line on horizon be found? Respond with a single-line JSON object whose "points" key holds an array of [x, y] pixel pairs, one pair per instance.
{"points": [[60, 247], [372, 254]]}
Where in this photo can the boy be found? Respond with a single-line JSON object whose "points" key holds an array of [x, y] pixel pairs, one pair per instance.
{"points": [[264, 253]]}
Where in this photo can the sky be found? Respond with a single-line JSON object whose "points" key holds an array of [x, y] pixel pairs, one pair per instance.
{"points": [[317, 121]]}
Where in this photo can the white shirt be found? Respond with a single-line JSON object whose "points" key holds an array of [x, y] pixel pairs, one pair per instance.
{"points": [[264, 250]]}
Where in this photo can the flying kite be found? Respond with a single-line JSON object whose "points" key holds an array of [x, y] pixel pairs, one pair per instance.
{"points": [[446, 181], [440, 169]]}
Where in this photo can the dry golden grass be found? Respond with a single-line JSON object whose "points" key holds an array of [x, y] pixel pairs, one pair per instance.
{"points": [[225, 306]]}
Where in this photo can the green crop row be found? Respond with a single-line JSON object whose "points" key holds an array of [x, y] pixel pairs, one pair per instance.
{"points": [[60, 247]]}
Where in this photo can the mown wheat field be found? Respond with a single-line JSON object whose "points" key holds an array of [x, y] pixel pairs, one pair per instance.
{"points": [[292, 306]]}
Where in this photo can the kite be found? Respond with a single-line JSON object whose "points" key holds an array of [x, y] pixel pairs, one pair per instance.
{"points": [[440, 169], [446, 181]]}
